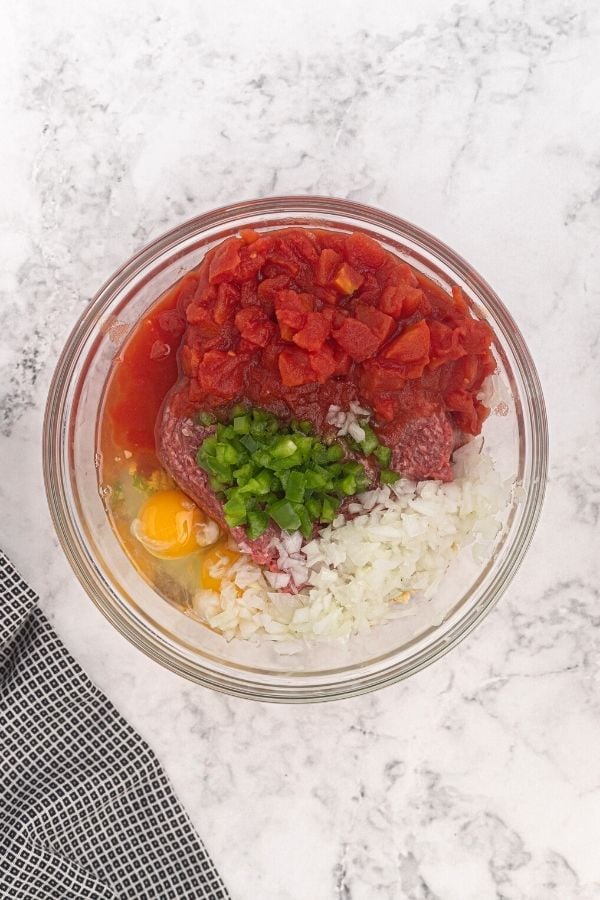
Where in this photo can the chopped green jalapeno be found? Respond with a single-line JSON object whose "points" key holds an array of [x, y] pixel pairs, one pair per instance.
{"points": [[267, 470]]}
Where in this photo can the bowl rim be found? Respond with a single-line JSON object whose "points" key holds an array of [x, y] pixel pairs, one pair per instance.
{"points": [[55, 428]]}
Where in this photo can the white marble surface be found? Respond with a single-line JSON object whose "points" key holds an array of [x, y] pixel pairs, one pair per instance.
{"points": [[480, 778]]}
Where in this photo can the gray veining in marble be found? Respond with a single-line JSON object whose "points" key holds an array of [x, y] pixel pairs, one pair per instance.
{"points": [[480, 121]]}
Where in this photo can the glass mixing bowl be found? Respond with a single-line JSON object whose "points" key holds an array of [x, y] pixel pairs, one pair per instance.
{"points": [[516, 437]]}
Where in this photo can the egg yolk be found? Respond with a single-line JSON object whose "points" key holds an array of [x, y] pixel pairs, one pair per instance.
{"points": [[167, 524], [215, 565]]}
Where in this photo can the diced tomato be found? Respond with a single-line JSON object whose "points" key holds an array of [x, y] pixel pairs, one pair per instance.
{"points": [[363, 251], [222, 373], [265, 243], [336, 316], [347, 280], [323, 362], [249, 316], [292, 308], [282, 260], [269, 357], [312, 336], [411, 346], [394, 272], [172, 322], [445, 343], [413, 300], [198, 315], [251, 262], [248, 293], [376, 378], [254, 326], [326, 295], [293, 319], [477, 336], [384, 407], [391, 301], [265, 314], [225, 264], [228, 300], [270, 287], [379, 323], [295, 368], [260, 334], [487, 364], [204, 333], [459, 299], [189, 358], [205, 294], [370, 290], [303, 243], [469, 413], [463, 374], [327, 266], [331, 240], [401, 300], [343, 363], [356, 339]]}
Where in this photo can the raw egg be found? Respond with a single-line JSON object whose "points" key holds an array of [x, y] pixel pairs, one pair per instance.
{"points": [[216, 565], [169, 525]]}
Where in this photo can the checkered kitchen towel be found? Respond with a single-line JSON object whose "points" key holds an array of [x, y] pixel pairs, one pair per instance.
{"points": [[85, 809]]}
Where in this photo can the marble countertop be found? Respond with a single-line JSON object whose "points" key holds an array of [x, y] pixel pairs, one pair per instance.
{"points": [[479, 778]]}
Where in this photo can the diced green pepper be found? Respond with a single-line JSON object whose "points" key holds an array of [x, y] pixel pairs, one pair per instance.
{"points": [[306, 525], [258, 522], [330, 508], [387, 476], [362, 482], [243, 473], [260, 485], [262, 458], [235, 511], [383, 455], [313, 507], [315, 480], [249, 443], [266, 469], [283, 447], [241, 424], [209, 446], [352, 467], [334, 453], [288, 462], [226, 453], [319, 452], [295, 487], [283, 513], [304, 445], [220, 469], [370, 441], [348, 485]]}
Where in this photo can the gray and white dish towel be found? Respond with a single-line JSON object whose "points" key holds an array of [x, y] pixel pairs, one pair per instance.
{"points": [[86, 811]]}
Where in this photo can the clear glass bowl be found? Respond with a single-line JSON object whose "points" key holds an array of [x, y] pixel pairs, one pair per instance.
{"points": [[516, 438]]}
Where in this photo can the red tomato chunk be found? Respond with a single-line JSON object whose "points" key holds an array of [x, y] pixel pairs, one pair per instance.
{"points": [[294, 310], [297, 319]]}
